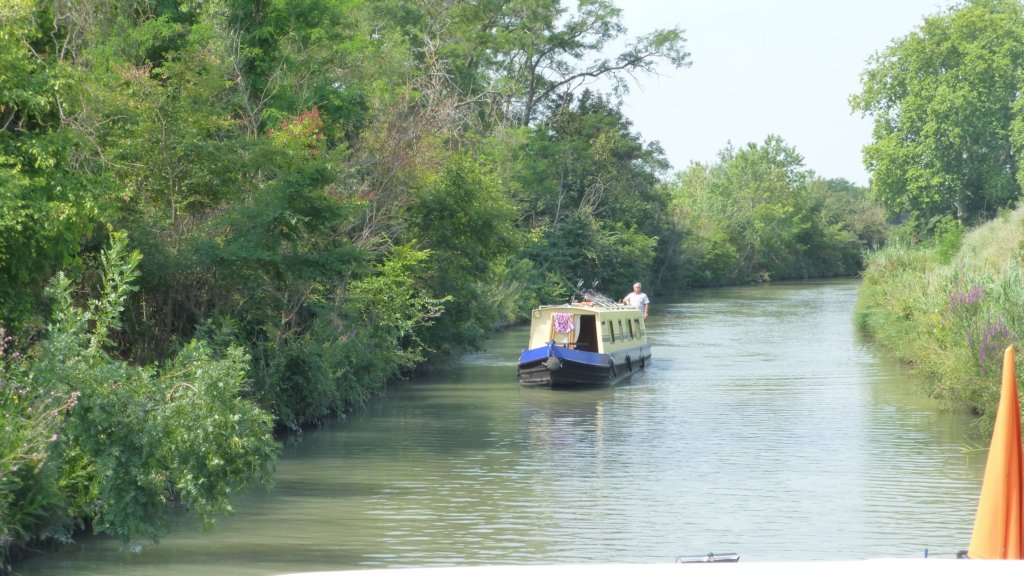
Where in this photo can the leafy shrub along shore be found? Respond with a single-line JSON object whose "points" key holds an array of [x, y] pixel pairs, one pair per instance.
{"points": [[90, 439]]}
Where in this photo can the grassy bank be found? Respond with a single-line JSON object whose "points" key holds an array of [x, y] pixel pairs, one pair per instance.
{"points": [[949, 308]]}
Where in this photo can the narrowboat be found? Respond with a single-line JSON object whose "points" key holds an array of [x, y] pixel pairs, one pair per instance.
{"points": [[590, 342]]}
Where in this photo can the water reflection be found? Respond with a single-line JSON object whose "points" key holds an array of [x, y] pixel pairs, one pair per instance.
{"points": [[763, 426]]}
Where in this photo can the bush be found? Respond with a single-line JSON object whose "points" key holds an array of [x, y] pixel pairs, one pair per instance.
{"points": [[103, 443], [950, 307]]}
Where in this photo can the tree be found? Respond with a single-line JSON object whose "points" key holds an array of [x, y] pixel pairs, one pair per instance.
{"points": [[275, 265], [758, 215], [547, 53], [584, 179], [525, 55], [763, 185], [945, 99], [51, 196], [464, 219]]}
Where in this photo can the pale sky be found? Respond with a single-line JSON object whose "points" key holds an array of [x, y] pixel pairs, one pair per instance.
{"points": [[760, 67]]}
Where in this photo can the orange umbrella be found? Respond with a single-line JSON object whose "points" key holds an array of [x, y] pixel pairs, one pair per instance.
{"points": [[997, 525]]}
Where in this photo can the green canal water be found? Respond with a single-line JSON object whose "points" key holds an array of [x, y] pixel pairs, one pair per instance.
{"points": [[764, 426]]}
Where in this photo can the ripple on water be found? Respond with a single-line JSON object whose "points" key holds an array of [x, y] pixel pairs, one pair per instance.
{"points": [[763, 426]]}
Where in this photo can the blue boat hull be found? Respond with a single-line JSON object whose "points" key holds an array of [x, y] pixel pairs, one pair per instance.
{"points": [[555, 366]]}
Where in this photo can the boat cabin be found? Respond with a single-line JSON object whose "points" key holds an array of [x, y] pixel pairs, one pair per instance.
{"points": [[587, 328]]}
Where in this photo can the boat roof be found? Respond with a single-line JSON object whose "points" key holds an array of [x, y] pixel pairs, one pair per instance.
{"points": [[586, 305], [591, 300]]}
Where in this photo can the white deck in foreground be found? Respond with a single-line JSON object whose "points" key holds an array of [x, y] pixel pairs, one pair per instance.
{"points": [[880, 567]]}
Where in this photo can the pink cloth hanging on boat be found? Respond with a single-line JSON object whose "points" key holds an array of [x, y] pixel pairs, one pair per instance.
{"points": [[563, 323]]}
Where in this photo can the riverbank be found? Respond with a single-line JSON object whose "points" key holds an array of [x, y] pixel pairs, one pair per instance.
{"points": [[949, 308]]}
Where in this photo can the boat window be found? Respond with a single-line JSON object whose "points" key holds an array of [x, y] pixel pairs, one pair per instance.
{"points": [[632, 333], [621, 331]]}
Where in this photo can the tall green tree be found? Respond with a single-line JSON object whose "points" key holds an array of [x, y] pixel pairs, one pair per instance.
{"points": [[465, 220], [946, 101], [524, 56], [587, 187], [548, 53], [51, 196]]}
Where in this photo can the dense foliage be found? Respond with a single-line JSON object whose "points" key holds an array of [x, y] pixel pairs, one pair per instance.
{"points": [[272, 207], [948, 116], [589, 197], [89, 437], [312, 189], [758, 215]]}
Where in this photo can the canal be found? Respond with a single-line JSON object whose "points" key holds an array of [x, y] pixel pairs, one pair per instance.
{"points": [[764, 426]]}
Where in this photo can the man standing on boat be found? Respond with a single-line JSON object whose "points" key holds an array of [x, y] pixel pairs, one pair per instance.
{"points": [[637, 298]]}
